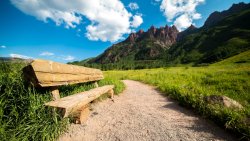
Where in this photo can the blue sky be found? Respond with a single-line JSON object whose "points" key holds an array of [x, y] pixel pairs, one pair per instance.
{"points": [[78, 30]]}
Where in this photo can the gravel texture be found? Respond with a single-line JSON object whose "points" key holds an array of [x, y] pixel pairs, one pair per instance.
{"points": [[141, 113]]}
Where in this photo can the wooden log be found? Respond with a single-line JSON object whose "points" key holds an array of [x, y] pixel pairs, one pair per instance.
{"points": [[81, 116], [111, 94], [96, 84], [54, 67], [48, 79], [44, 73], [72, 103], [55, 93]]}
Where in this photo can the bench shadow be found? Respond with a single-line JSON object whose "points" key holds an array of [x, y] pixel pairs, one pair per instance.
{"points": [[172, 104]]}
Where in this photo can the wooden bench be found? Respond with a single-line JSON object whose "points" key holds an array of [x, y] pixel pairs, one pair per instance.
{"points": [[42, 73]]}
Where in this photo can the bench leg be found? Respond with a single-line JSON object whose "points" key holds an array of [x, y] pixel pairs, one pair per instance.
{"points": [[111, 94], [96, 84], [55, 93], [83, 115]]}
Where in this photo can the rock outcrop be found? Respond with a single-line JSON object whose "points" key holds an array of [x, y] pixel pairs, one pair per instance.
{"points": [[142, 45], [165, 35], [222, 100]]}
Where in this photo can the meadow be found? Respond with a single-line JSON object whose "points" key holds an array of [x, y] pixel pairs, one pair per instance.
{"points": [[189, 86], [24, 117]]}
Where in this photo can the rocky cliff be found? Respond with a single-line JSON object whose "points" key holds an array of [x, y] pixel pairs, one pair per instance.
{"points": [[142, 45]]}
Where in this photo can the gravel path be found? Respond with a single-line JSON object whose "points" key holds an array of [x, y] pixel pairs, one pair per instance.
{"points": [[141, 113]]}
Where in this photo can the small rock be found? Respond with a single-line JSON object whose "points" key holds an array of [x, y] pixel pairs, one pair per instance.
{"points": [[93, 114], [223, 100]]}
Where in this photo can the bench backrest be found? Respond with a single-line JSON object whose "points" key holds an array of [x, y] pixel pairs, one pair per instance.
{"points": [[43, 73]]}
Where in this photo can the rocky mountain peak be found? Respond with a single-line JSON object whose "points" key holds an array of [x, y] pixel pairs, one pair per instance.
{"points": [[140, 32], [166, 35], [174, 28], [132, 37], [191, 27]]}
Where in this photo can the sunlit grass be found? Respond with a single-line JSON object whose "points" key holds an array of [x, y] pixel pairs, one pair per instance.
{"points": [[23, 115], [189, 85]]}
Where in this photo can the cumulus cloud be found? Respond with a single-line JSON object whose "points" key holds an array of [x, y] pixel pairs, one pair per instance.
{"points": [[183, 21], [109, 20], [68, 58], [133, 6], [181, 12], [137, 21], [46, 53], [19, 56], [3, 46]]}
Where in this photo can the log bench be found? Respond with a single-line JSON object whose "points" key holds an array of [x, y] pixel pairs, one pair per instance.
{"points": [[42, 73]]}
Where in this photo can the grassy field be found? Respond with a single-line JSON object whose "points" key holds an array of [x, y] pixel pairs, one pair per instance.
{"points": [[188, 85], [24, 117], [22, 113]]}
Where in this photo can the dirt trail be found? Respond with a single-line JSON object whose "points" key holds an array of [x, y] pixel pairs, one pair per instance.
{"points": [[141, 113]]}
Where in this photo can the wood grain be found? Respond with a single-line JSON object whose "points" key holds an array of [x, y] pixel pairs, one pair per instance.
{"points": [[44, 73], [72, 103]]}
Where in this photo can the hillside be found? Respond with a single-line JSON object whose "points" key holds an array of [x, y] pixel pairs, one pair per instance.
{"points": [[223, 35], [242, 58], [225, 39], [216, 16]]}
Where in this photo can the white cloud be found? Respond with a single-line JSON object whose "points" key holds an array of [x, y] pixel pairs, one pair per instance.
{"points": [[133, 6], [183, 12], [137, 21], [46, 53], [196, 16], [109, 20], [20, 56], [68, 58], [3, 46], [155, 2], [183, 21]]}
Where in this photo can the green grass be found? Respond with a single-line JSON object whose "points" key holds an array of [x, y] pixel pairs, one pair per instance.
{"points": [[22, 113], [189, 85], [242, 58], [24, 117]]}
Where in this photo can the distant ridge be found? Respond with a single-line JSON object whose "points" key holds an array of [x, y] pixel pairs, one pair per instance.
{"points": [[216, 16], [14, 59], [223, 35]]}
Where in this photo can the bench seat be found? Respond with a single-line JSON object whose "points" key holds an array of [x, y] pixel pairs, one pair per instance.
{"points": [[71, 103]]}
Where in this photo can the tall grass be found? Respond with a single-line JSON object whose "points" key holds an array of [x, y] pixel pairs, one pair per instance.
{"points": [[189, 85], [23, 115]]}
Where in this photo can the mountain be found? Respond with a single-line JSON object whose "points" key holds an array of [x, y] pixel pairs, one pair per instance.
{"points": [[191, 29], [216, 16], [223, 35], [228, 37], [14, 59], [149, 45]]}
